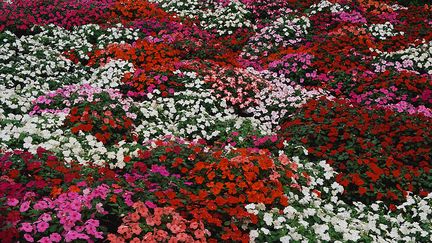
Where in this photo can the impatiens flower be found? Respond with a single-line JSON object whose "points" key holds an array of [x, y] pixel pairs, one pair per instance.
{"points": [[219, 121], [55, 237], [159, 169], [135, 240], [45, 240], [193, 225], [45, 217], [199, 234], [28, 238], [12, 202], [161, 235], [150, 204], [26, 227], [40, 205], [24, 206], [42, 226]]}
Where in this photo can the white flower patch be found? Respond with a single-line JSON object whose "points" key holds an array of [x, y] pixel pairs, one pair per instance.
{"points": [[226, 19], [33, 65], [325, 5], [46, 128], [279, 100], [284, 31], [85, 38], [193, 113], [396, 7], [28, 132], [383, 31], [28, 69], [183, 8], [110, 75], [32, 132], [416, 58], [213, 15]]}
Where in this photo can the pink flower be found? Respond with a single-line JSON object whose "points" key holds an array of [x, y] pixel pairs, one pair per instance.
{"points": [[12, 202], [135, 240], [193, 225], [150, 204], [45, 240], [284, 159], [74, 216], [161, 235], [55, 237], [123, 229], [100, 209], [174, 228], [25, 206], [149, 237], [184, 237], [75, 205], [159, 169], [41, 205], [136, 229], [28, 238], [71, 235], [42, 226], [26, 227], [45, 217], [92, 222], [150, 221], [199, 234]]}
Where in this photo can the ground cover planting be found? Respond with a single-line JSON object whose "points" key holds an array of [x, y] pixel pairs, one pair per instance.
{"points": [[215, 121]]}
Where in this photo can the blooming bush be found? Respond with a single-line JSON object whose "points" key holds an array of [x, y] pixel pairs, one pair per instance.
{"points": [[149, 59], [225, 19], [237, 87], [284, 31], [380, 154], [164, 224], [21, 15], [400, 90], [313, 216]]}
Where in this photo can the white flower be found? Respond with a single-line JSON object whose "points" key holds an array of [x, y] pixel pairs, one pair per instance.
{"points": [[265, 231], [285, 239], [253, 234], [268, 218]]}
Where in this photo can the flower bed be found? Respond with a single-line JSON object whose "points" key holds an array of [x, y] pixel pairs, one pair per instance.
{"points": [[212, 121]]}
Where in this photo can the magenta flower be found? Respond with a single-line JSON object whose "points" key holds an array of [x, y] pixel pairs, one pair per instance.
{"points": [[26, 227], [74, 216], [71, 235], [45, 240], [55, 237], [150, 204], [45, 217], [12, 202], [25, 206], [41, 205], [159, 169], [28, 238], [42, 226], [92, 222]]}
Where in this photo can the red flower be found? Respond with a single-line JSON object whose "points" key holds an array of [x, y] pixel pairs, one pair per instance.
{"points": [[14, 173], [199, 179], [362, 190]]}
